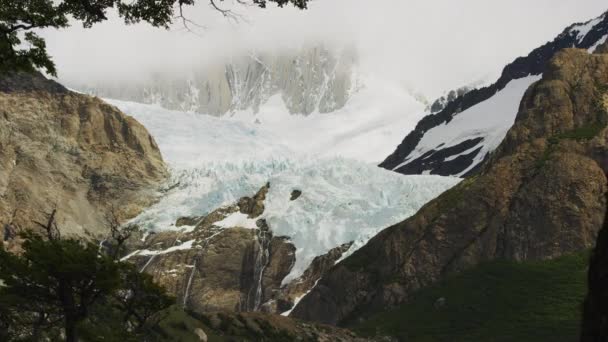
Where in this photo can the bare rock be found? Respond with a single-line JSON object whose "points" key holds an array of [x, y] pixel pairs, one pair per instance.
{"points": [[295, 195], [188, 221], [201, 334], [214, 268], [73, 152], [541, 195]]}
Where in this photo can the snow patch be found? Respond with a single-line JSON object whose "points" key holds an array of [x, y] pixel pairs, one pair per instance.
{"points": [[598, 43], [489, 120], [298, 299], [585, 28], [146, 252], [237, 219]]}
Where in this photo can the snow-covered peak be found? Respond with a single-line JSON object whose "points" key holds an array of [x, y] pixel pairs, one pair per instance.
{"points": [[582, 30], [459, 137]]}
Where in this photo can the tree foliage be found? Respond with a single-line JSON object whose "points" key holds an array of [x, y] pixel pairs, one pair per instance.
{"points": [[68, 288], [21, 49]]}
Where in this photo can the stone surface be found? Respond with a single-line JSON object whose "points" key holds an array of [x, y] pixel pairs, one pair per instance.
{"points": [[295, 195], [201, 334], [540, 196], [438, 161], [307, 80], [211, 267], [72, 152]]}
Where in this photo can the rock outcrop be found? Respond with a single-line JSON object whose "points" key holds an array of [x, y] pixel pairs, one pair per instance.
{"points": [[228, 260], [541, 195], [307, 80], [72, 152]]}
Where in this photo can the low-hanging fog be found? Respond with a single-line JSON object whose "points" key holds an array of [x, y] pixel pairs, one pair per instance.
{"points": [[428, 45]]}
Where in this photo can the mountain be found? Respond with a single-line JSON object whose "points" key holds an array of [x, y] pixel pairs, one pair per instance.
{"points": [[216, 163], [458, 139], [71, 152], [541, 195], [308, 80]]}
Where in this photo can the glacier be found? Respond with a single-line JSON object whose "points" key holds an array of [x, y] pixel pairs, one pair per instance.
{"points": [[330, 157]]}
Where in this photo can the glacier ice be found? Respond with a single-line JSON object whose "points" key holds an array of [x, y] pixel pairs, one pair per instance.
{"points": [[329, 157]]}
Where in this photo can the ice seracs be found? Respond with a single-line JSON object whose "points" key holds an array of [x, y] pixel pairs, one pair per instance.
{"points": [[215, 161]]}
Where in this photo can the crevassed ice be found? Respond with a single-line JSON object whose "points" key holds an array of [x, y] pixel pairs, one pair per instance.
{"points": [[329, 157]]}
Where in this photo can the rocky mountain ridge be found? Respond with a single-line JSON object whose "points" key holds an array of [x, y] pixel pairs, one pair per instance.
{"points": [[463, 154], [541, 195], [71, 152], [228, 260], [312, 79]]}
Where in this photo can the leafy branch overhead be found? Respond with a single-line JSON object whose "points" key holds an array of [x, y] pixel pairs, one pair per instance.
{"points": [[21, 49]]}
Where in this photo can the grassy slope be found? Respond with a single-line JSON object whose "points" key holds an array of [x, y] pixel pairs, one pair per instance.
{"points": [[498, 301]]}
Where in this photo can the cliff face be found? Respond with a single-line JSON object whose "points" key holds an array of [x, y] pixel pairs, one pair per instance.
{"points": [[541, 195], [72, 152], [308, 80], [228, 260]]}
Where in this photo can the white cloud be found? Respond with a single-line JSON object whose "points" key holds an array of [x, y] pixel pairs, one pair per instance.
{"points": [[429, 45]]}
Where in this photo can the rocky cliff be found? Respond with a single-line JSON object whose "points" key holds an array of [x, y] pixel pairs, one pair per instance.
{"points": [[308, 80], [477, 120], [228, 260], [72, 152], [541, 195]]}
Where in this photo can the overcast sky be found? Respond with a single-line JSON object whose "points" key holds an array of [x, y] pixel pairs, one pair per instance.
{"points": [[428, 45]]}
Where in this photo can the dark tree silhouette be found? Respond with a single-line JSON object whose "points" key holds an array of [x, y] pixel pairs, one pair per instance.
{"points": [[69, 287], [595, 309]]}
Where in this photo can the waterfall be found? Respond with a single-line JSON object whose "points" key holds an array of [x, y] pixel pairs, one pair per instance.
{"points": [[261, 261], [147, 263], [187, 292]]}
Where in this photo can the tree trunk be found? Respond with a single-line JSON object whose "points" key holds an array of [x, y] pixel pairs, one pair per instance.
{"points": [[70, 329], [66, 296], [595, 309]]}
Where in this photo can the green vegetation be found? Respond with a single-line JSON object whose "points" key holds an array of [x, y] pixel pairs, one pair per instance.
{"points": [[579, 134], [74, 290], [452, 197], [496, 301], [582, 133], [21, 49], [176, 325]]}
